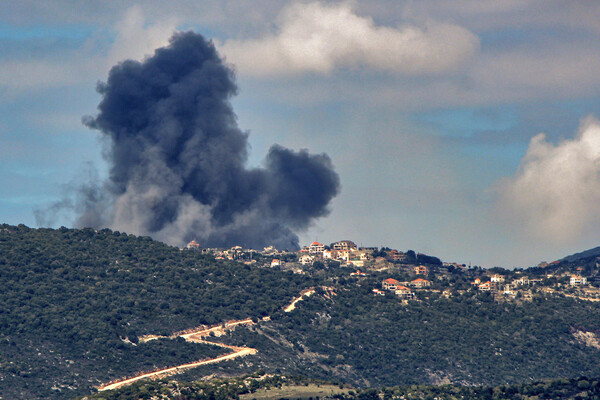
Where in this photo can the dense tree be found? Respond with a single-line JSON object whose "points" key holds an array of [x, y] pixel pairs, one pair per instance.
{"points": [[74, 303]]}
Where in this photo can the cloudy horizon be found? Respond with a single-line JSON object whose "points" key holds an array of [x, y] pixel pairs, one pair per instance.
{"points": [[467, 131]]}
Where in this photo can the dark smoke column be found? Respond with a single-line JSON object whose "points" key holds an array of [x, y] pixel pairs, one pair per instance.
{"points": [[178, 158]]}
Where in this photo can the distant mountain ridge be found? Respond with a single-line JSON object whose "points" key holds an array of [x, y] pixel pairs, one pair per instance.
{"points": [[595, 252]]}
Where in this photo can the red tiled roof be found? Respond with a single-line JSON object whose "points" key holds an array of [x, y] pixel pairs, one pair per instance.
{"points": [[392, 281], [316, 244]]}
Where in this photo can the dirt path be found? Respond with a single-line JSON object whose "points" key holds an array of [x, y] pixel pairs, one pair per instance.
{"points": [[304, 293], [216, 330], [242, 351], [197, 335]]}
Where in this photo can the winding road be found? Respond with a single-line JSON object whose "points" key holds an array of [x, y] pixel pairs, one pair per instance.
{"points": [[198, 336]]}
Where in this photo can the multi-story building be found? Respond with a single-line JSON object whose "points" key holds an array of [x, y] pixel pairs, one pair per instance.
{"points": [[305, 259], [404, 292], [578, 280], [346, 245], [420, 283], [421, 270], [391, 284], [316, 247], [395, 255]]}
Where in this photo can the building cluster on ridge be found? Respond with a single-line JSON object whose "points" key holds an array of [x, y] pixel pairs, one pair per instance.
{"points": [[346, 252], [424, 273]]}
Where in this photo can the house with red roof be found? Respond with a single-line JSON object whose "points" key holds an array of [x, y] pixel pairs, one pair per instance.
{"points": [[391, 284], [420, 283], [316, 247], [193, 245]]}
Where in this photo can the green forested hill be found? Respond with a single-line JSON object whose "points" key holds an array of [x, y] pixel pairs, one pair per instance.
{"points": [[71, 299], [74, 302], [470, 339]]}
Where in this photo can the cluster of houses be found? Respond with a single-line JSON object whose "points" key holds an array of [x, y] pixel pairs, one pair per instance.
{"points": [[497, 283], [401, 289], [348, 254], [344, 251], [234, 253]]}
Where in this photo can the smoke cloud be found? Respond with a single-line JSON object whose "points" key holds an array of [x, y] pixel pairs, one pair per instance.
{"points": [[178, 158], [555, 194]]}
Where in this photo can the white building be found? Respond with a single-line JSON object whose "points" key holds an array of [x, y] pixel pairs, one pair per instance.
{"points": [[306, 259], [522, 281], [578, 280], [356, 263], [316, 247]]}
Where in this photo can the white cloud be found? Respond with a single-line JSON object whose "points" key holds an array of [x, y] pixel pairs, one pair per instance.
{"points": [[555, 194], [320, 38], [134, 39]]}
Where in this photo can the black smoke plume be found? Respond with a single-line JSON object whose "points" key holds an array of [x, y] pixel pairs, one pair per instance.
{"points": [[178, 158]]}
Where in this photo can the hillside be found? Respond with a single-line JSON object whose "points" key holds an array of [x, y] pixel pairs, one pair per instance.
{"points": [[468, 339], [79, 307], [590, 253], [267, 387], [75, 301]]}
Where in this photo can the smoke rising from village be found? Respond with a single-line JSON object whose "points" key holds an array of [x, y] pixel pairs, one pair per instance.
{"points": [[178, 158]]}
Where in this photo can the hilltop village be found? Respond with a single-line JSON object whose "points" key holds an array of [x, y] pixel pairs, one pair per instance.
{"points": [[410, 276]]}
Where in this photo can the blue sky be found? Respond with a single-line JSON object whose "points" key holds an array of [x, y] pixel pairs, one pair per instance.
{"points": [[428, 110]]}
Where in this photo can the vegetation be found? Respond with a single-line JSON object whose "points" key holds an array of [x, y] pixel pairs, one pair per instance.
{"points": [[267, 387], [371, 340], [74, 303]]}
